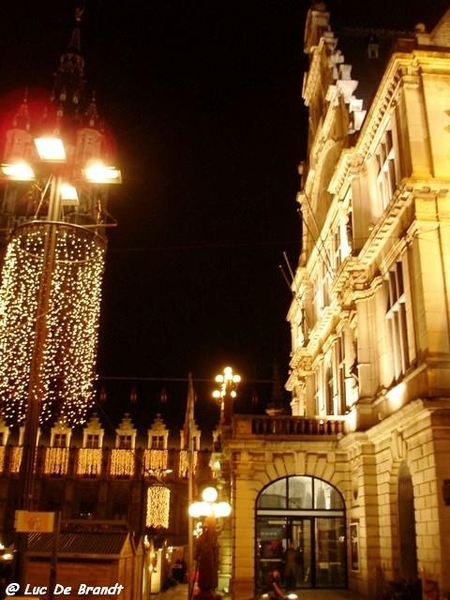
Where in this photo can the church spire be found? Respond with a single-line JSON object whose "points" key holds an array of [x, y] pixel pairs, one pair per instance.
{"points": [[69, 81]]}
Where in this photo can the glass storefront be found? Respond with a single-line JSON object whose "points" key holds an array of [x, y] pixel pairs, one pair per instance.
{"points": [[300, 531]]}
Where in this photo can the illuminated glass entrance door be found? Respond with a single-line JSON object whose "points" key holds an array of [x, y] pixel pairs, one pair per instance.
{"points": [[300, 531], [330, 553], [284, 544], [296, 568]]}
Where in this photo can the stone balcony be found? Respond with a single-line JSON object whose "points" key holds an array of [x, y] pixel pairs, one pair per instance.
{"points": [[282, 426]]}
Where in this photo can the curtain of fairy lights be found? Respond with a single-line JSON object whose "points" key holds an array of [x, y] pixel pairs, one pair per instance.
{"points": [[158, 506], [67, 371]]}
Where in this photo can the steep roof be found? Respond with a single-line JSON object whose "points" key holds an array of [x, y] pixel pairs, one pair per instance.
{"points": [[71, 545]]}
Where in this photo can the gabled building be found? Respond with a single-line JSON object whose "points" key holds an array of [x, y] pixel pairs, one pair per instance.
{"points": [[357, 479], [121, 501]]}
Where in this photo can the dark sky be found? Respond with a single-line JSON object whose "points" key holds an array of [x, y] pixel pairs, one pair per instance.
{"points": [[204, 99]]}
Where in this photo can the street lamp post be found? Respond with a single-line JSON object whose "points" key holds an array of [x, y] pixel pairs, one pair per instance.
{"points": [[226, 394], [50, 231], [207, 548]]}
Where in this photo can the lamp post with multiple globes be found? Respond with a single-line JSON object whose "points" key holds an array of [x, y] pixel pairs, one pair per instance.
{"points": [[226, 394], [207, 547]]}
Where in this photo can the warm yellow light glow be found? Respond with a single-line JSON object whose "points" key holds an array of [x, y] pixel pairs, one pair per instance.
{"points": [[222, 509], [56, 461], [100, 173], [158, 506], [209, 494], [156, 460], [19, 171], [229, 377], [200, 509], [184, 464], [89, 461], [209, 508], [16, 459], [8, 556], [51, 149], [69, 194], [122, 462], [228, 383], [67, 372]]}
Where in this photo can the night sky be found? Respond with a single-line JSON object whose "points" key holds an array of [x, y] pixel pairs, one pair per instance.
{"points": [[204, 99]]}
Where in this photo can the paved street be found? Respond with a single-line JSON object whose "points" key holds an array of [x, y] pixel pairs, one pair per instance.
{"points": [[180, 592]]}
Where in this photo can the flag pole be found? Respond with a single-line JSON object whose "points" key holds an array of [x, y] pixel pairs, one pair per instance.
{"points": [[190, 448]]}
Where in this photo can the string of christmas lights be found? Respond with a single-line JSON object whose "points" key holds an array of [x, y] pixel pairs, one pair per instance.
{"points": [[67, 372], [156, 460], [56, 461], [89, 461], [183, 471], [122, 462], [158, 506], [16, 459]]}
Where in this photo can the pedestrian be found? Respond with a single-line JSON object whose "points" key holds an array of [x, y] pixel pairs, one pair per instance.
{"points": [[290, 566], [276, 593]]}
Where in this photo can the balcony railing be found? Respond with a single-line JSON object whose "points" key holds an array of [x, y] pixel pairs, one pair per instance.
{"points": [[286, 425]]}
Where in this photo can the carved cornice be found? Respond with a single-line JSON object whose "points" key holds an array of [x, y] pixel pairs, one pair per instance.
{"points": [[387, 91], [302, 362], [382, 233], [313, 79], [369, 290]]}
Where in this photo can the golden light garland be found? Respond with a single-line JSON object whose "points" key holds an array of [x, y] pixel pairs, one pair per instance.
{"points": [[89, 461], [67, 372], [156, 460], [56, 461], [158, 506], [122, 462], [16, 458], [183, 470]]}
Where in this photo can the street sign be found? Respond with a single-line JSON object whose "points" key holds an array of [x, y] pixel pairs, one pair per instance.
{"points": [[32, 521]]}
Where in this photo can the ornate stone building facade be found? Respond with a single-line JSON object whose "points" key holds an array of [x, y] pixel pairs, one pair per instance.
{"points": [[358, 478]]}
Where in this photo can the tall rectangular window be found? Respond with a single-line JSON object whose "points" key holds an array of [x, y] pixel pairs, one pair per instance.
{"points": [[397, 322], [387, 178], [339, 350]]}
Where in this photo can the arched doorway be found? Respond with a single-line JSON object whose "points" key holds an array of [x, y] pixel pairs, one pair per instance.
{"points": [[406, 524], [307, 516]]}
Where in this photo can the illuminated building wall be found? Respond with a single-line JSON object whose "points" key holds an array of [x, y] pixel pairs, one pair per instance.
{"points": [[370, 323], [90, 472]]}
